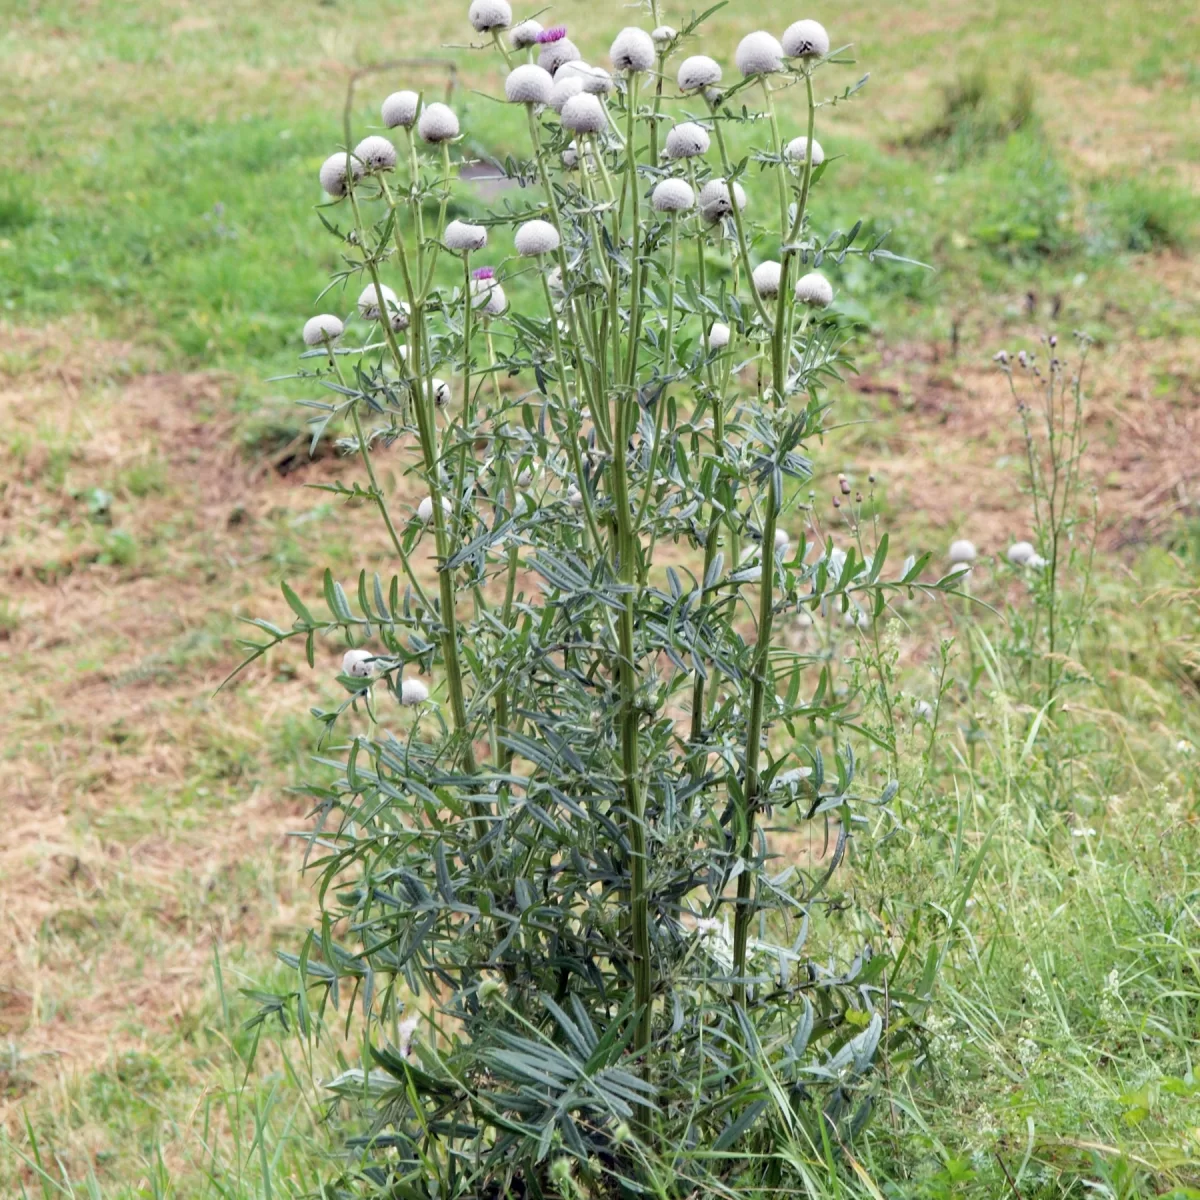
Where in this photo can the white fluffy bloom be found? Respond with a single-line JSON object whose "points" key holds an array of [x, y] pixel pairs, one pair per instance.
{"points": [[922, 711], [718, 336], [797, 150], [758, 54], [439, 389], [1020, 553], [553, 54], [488, 297], [1035, 562], [663, 36], [322, 329], [598, 81], [697, 72], [368, 301], [814, 289], [333, 173], [376, 154], [357, 664], [400, 109], [488, 15], [687, 140], [673, 196], [425, 509], [528, 84], [805, 39], [406, 1029], [524, 35], [461, 236], [576, 69], [766, 278], [715, 201], [962, 551], [583, 114], [536, 237], [782, 542], [632, 50], [412, 691], [563, 90], [437, 124]]}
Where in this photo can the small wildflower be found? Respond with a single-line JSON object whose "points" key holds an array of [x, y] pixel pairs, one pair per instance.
{"points": [[323, 329], [583, 114], [758, 54], [425, 509], [400, 109], [844, 485], [487, 294], [487, 16], [555, 33], [718, 336], [797, 151], [461, 236], [1001, 357], [437, 124], [632, 50], [766, 279], [715, 201], [333, 173], [805, 39], [556, 51], [528, 84], [565, 89], [1023, 359], [697, 72], [687, 140], [536, 237], [357, 664], [673, 196], [524, 35], [962, 551], [814, 289], [663, 36], [1183, 746], [376, 154]]}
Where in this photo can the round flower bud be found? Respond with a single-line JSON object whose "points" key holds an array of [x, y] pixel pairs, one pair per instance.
{"points": [[563, 90], [766, 279], [923, 711], [437, 124], [797, 151], [697, 72], [814, 289], [528, 84], [357, 663], [632, 50], [1035, 561], [536, 237], [673, 196], [320, 330], [718, 336], [598, 81], [1019, 553], [554, 54], [368, 301], [782, 541], [574, 497], [663, 36], [413, 691], [583, 114], [333, 173], [488, 296], [425, 509], [439, 389], [962, 551], [805, 39], [487, 15], [524, 35], [715, 201], [554, 279], [758, 54], [687, 140], [376, 154], [577, 69], [400, 108], [461, 236]]}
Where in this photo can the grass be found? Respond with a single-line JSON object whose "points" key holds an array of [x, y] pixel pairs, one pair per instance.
{"points": [[157, 255]]}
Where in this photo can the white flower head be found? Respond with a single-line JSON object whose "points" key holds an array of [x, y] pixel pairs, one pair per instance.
{"points": [[574, 497], [716, 201], [400, 109], [698, 72], [536, 237], [782, 542], [461, 236], [922, 711], [805, 39], [489, 15], [358, 664], [524, 35], [598, 81], [563, 90], [405, 1031], [632, 50], [766, 278], [554, 54], [758, 54], [488, 296], [322, 329], [437, 124], [576, 69], [439, 389], [528, 84], [376, 154], [1035, 562], [413, 691], [673, 196], [718, 336], [425, 509], [333, 173], [797, 150], [962, 551], [1019, 553], [814, 289], [663, 36], [368, 301], [687, 140], [584, 114]]}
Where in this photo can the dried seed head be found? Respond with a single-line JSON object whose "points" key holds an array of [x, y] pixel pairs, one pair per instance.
{"points": [[528, 84], [814, 289], [439, 389], [673, 196], [536, 237], [489, 15], [563, 90], [524, 35], [583, 114], [805, 39], [715, 201], [687, 140], [962, 551], [425, 509], [632, 50], [663, 36], [718, 336], [697, 72], [323, 329], [376, 154], [437, 124], [556, 52], [461, 236], [488, 296], [766, 278], [797, 151], [333, 173], [1020, 553], [758, 54], [400, 109], [358, 664], [412, 691]]}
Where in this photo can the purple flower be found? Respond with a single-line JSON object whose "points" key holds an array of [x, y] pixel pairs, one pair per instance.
{"points": [[484, 273], [554, 34]]}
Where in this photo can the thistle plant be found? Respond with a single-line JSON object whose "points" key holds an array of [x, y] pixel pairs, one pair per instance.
{"points": [[565, 715]]}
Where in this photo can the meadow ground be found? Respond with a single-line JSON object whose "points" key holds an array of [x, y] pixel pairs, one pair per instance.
{"points": [[158, 253]]}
